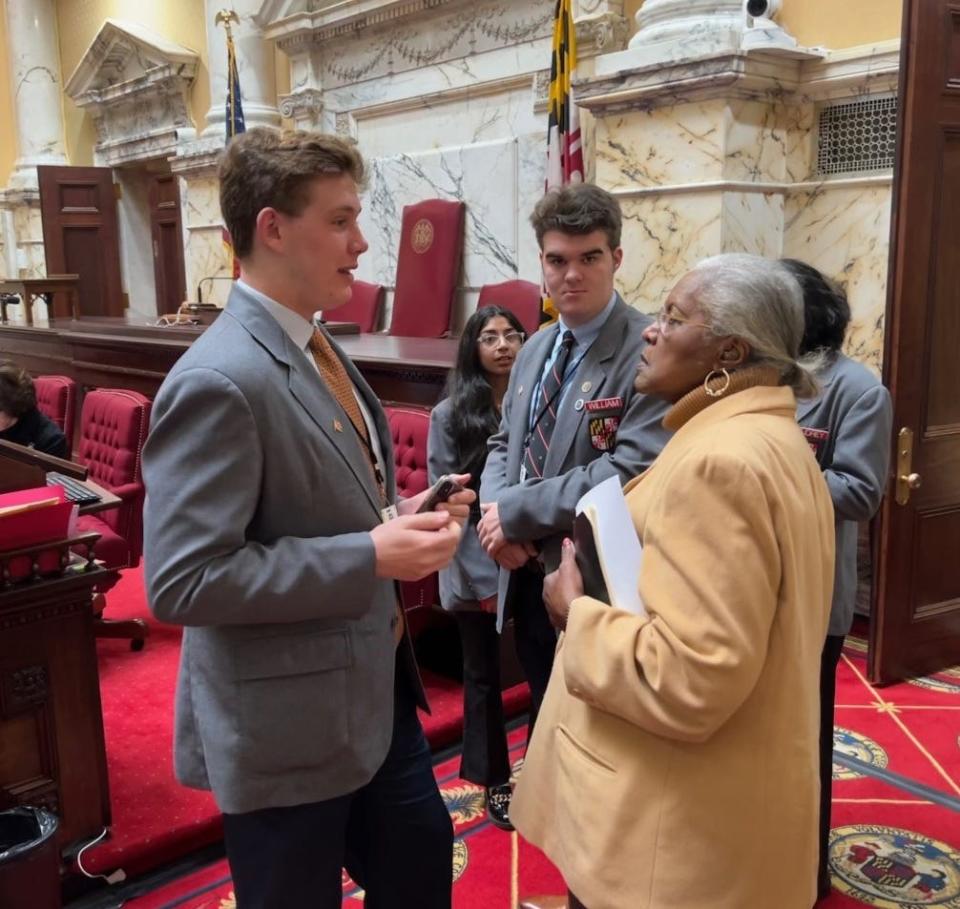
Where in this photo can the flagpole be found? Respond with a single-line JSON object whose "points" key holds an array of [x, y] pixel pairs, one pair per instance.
{"points": [[226, 17]]}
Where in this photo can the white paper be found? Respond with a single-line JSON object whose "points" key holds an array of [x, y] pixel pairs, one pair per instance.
{"points": [[617, 544]]}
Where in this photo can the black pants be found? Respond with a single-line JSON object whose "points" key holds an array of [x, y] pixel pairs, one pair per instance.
{"points": [[484, 759], [394, 836], [829, 659], [535, 636]]}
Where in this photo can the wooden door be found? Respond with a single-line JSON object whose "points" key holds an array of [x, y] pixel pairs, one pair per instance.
{"points": [[917, 620], [78, 206], [167, 239]]}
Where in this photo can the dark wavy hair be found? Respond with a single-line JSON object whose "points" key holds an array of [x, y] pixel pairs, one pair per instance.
{"points": [[17, 393], [826, 312], [474, 418]]}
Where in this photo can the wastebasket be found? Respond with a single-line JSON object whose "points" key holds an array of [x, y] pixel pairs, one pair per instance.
{"points": [[29, 859]]}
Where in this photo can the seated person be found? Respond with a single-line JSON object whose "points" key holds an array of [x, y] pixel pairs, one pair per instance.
{"points": [[20, 419]]}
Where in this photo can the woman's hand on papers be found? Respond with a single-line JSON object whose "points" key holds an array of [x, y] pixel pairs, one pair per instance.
{"points": [[562, 587]]}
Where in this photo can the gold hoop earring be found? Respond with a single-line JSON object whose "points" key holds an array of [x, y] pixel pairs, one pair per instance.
{"points": [[712, 376]]}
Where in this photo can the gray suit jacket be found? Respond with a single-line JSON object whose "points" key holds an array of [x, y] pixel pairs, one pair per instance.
{"points": [[542, 510], [848, 427], [256, 538], [472, 575]]}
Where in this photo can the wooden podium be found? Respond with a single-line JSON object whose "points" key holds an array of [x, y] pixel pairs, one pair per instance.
{"points": [[52, 749]]}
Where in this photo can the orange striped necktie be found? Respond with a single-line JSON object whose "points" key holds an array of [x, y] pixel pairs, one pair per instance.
{"points": [[334, 373]]}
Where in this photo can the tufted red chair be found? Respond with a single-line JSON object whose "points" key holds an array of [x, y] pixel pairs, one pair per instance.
{"points": [[428, 265], [113, 428], [522, 298], [409, 426], [57, 399], [364, 307]]}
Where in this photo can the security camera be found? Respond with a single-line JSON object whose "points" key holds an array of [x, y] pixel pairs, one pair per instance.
{"points": [[761, 9]]}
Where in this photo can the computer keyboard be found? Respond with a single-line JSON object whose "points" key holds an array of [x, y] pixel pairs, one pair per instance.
{"points": [[75, 490]]}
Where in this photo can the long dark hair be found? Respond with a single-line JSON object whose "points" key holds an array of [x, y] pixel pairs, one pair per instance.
{"points": [[825, 308], [474, 417]]}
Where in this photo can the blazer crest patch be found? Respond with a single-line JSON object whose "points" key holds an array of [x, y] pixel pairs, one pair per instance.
{"points": [[603, 421]]}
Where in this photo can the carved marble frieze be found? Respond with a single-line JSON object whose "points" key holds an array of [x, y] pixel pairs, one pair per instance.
{"points": [[136, 85]]}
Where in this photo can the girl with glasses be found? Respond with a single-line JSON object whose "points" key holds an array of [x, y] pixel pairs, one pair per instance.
{"points": [[459, 428]]}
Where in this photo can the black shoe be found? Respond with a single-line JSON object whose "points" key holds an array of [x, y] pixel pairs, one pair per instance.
{"points": [[498, 806]]}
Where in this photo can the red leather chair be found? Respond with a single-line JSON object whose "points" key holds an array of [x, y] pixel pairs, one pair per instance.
{"points": [[113, 428], [364, 308], [409, 426], [428, 265], [57, 398], [522, 298]]}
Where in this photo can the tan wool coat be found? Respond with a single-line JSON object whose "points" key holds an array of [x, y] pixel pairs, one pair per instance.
{"points": [[674, 762]]}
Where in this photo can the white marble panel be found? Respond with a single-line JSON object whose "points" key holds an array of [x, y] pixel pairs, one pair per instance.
{"points": [[462, 122], [484, 176], [800, 127], [670, 145], [845, 232], [531, 178], [663, 238], [754, 142], [201, 200], [752, 223]]}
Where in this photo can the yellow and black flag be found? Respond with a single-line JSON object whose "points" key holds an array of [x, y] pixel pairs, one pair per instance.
{"points": [[564, 146]]}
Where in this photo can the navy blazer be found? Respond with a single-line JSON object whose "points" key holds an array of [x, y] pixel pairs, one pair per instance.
{"points": [[848, 426]]}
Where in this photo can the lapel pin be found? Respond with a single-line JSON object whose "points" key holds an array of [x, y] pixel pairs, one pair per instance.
{"points": [[585, 388], [578, 405], [338, 426], [520, 390]]}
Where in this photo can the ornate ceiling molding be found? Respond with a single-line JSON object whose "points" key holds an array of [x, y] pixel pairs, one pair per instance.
{"points": [[136, 85]]}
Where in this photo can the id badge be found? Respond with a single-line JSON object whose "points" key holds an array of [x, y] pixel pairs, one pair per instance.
{"points": [[523, 472], [389, 513]]}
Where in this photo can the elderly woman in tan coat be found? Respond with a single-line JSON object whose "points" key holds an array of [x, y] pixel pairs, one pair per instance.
{"points": [[674, 762]]}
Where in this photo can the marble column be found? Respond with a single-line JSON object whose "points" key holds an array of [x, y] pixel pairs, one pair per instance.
{"points": [[255, 65], [35, 78]]}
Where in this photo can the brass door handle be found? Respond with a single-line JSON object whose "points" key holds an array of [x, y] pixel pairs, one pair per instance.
{"points": [[906, 479]]}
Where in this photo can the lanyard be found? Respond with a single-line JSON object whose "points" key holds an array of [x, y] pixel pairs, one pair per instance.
{"points": [[571, 371]]}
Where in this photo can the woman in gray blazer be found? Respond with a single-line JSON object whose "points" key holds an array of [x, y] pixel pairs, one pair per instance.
{"points": [[459, 428], [848, 426]]}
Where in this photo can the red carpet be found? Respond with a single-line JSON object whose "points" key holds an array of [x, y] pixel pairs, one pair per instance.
{"points": [[154, 818], [891, 848], [483, 875]]}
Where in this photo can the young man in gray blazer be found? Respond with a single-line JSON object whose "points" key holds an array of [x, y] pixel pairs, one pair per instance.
{"points": [[571, 417], [271, 535], [849, 426]]}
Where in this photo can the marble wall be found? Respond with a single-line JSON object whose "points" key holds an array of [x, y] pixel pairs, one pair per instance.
{"points": [[727, 163]]}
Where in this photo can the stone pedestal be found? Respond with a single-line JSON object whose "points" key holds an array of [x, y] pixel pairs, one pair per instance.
{"points": [[718, 154]]}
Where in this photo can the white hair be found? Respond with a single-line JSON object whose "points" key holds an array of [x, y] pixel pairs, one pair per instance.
{"points": [[760, 301]]}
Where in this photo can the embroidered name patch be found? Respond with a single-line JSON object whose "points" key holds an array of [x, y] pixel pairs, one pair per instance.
{"points": [[605, 404], [816, 439]]}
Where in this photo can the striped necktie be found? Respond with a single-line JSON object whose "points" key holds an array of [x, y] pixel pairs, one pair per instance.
{"points": [[538, 443]]}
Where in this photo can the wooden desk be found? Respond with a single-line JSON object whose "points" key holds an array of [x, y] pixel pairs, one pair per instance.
{"points": [[112, 353], [51, 724], [30, 289]]}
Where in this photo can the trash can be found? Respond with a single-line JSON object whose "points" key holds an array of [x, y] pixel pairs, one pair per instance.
{"points": [[29, 859]]}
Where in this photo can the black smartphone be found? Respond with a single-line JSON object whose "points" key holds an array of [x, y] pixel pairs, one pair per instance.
{"points": [[445, 487]]}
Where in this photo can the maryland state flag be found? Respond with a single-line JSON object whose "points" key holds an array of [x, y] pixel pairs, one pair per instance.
{"points": [[235, 125], [564, 148]]}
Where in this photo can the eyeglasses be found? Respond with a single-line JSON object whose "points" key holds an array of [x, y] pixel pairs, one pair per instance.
{"points": [[492, 339], [670, 318]]}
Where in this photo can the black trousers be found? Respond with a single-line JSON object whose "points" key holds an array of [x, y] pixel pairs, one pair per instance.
{"points": [[484, 760], [829, 660], [394, 836], [535, 637]]}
